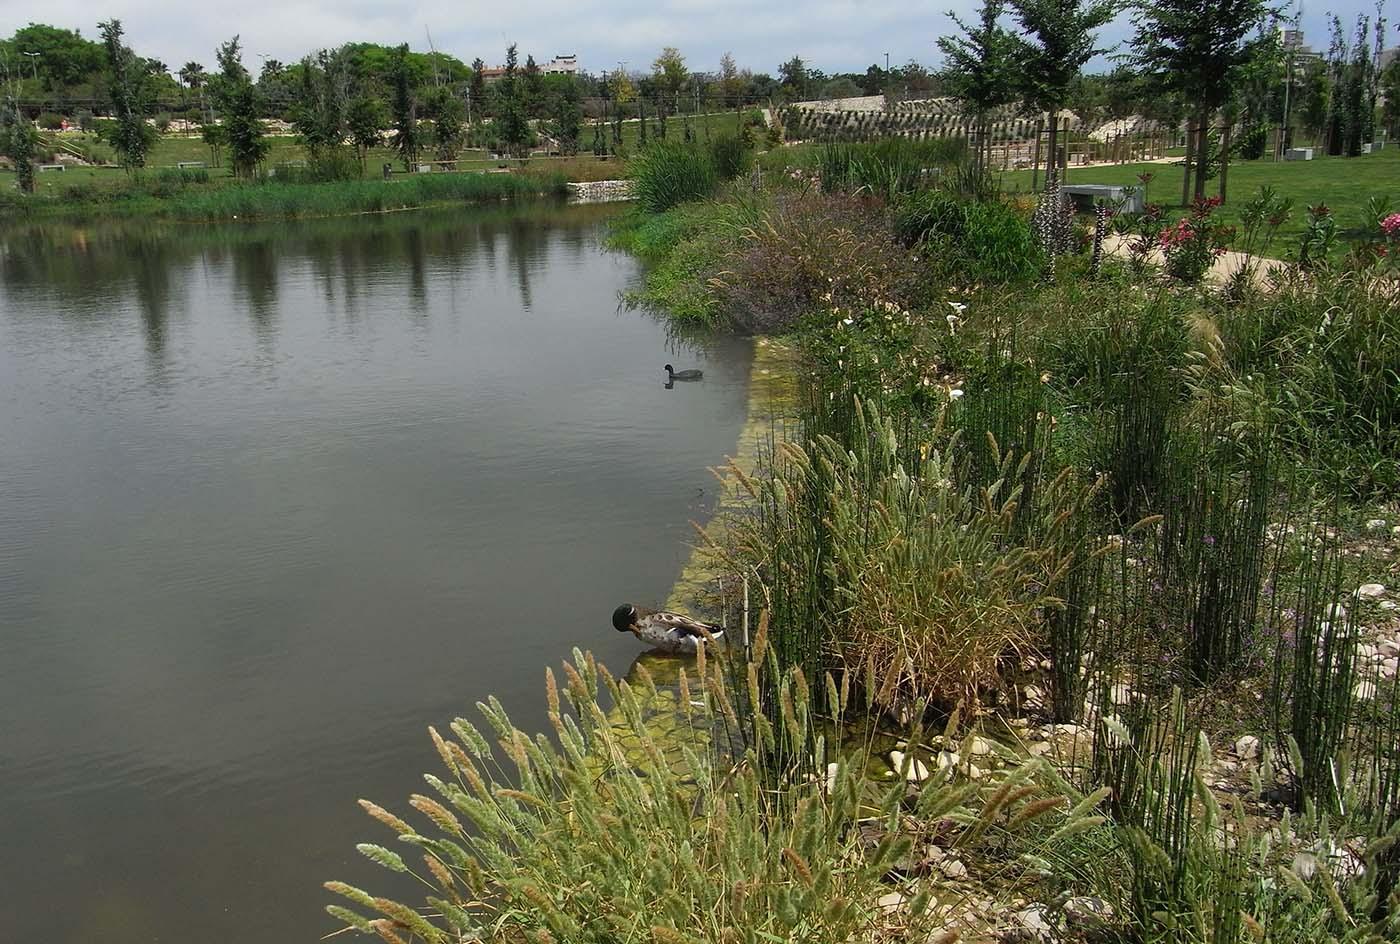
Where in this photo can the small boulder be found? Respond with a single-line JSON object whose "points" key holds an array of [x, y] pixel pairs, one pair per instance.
{"points": [[913, 769], [891, 903], [1030, 926], [1088, 914], [979, 746], [1370, 591], [1247, 747], [954, 869], [1376, 525]]}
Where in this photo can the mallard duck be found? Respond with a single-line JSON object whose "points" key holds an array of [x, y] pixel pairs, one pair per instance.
{"points": [[669, 632], [673, 375]]}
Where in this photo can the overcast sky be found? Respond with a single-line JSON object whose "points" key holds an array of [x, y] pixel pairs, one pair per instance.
{"points": [[834, 35]]}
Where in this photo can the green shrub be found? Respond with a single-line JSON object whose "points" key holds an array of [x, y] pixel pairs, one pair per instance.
{"points": [[669, 173], [969, 241], [50, 121], [321, 168], [729, 156], [1253, 142]]}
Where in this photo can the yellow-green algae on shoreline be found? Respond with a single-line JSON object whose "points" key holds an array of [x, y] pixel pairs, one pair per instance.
{"points": [[772, 405]]}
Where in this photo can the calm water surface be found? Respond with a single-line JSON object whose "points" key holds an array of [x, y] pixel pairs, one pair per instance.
{"points": [[274, 499]]}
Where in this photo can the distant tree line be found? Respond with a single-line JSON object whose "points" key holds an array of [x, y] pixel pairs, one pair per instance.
{"points": [[1212, 67]]}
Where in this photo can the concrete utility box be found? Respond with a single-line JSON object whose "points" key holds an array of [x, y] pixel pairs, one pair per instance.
{"points": [[1298, 154], [425, 168], [1084, 196]]}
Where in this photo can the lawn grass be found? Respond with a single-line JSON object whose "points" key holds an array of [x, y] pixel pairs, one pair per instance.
{"points": [[1344, 184]]}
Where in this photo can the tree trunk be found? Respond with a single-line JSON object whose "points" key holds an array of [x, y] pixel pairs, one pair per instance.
{"points": [[1035, 160], [1190, 163], [1202, 154], [1052, 164], [1224, 160]]}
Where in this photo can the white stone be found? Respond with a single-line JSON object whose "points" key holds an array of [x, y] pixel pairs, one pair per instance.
{"points": [[1376, 524], [947, 760], [954, 868], [1247, 747], [979, 747], [1337, 611], [1120, 694], [974, 772], [1365, 690], [917, 772], [1389, 668], [1388, 604], [1370, 591], [1032, 924], [1040, 748], [1046, 664], [1035, 698], [1087, 913], [1390, 648], [890, 903]]}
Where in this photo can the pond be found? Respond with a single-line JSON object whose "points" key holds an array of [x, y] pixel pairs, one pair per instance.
{"points": [[275, 498]]}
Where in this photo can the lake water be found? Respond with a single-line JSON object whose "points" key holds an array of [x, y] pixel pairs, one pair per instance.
{"points": [[275, 498]]}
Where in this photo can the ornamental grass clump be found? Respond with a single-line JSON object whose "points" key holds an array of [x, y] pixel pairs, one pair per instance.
{"points": [[668, 173], [1325, 352], [622, 828], [909, 575], [813, 251]]}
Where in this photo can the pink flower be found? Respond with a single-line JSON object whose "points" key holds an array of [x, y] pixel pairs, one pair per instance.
{"points": [[1391, 226]]}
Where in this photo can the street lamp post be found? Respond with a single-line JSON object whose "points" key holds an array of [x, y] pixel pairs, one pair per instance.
{"points": [[887, 62], [34, 64]]}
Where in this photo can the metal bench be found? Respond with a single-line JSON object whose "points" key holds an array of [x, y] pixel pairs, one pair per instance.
{"points": [[189, 165]]}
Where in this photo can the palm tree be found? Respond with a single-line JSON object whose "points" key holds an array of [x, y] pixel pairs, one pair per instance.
{"points": [[192, 75]]}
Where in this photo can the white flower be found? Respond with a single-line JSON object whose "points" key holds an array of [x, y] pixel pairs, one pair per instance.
{"points": [[848, 321], [958, 307], [954, 393]]}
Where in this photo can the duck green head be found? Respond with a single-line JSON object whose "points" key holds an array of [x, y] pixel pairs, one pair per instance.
{"points": [[623, 618]]}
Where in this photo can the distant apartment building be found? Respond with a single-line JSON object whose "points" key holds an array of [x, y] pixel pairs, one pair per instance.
{"points": [[1292, 42], [559, 65]]}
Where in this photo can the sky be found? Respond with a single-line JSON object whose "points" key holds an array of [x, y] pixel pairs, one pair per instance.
{"points": [[833, 35]]}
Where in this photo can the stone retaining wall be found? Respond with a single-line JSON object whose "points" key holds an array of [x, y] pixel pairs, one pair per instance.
{"points": [[600, 191]]}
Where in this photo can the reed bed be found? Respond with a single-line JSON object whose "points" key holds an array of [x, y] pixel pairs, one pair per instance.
{"points": [[272, 200]]}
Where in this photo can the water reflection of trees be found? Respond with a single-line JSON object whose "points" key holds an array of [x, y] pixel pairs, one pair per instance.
{"points": [[86, 268]]}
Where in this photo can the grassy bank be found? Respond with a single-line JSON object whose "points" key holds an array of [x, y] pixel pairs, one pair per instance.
{"points": [[175, 198], [1063, 608], [1344, 184]]}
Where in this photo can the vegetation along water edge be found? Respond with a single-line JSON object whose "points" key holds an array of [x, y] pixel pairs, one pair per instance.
{"points": [[1066, 590]]}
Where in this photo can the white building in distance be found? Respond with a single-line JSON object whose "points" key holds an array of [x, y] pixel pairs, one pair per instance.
{"points": [[561, 65]]}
